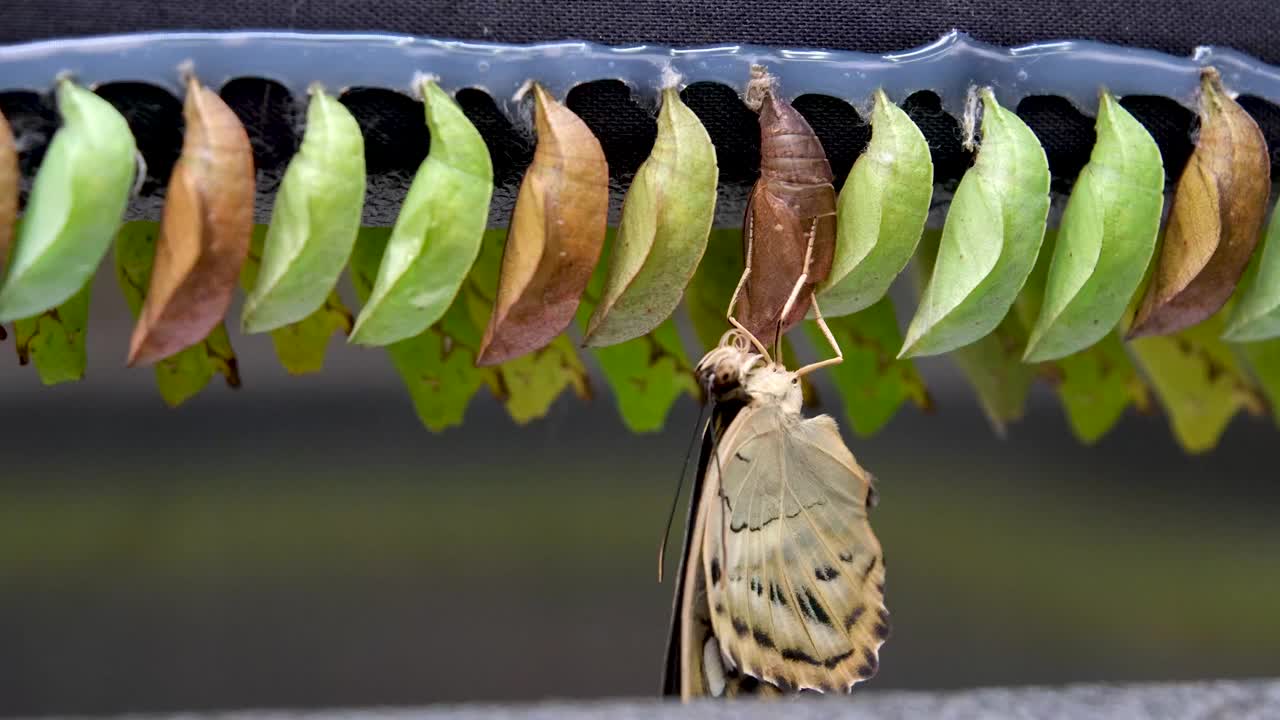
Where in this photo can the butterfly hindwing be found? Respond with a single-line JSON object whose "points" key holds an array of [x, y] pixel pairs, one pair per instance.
{"points": [[794, 574]]}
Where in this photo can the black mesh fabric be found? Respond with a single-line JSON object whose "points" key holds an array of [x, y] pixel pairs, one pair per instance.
{"points": [[1175, 26], [397, 140]]}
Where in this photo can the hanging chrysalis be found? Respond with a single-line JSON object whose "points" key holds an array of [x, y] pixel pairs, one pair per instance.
{"points": [[1214, 221], [556, 235], [990, 239], [9, 175], [1256, 315], [438, 232], [666, 220], [204, 234], [881, 214], [1105, 240], [790, 226], [76, 205], [313, 222]]}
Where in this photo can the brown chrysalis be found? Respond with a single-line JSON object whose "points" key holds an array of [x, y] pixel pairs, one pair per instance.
{"points": [[8, 189], [556, 236], [1215, 219], [204, 233], [790, 225], [8, 195]]}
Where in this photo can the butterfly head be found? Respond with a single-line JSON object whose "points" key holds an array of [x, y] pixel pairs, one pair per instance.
{"points": [[723, 371], [734, 371]]}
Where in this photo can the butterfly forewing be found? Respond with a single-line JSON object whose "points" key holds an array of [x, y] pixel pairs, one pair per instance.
{"points": [[701, 669], [694, 664], [794, 574]]}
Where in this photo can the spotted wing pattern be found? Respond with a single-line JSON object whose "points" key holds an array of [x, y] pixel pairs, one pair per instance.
{"points": [[793, 573], [695, 666]]}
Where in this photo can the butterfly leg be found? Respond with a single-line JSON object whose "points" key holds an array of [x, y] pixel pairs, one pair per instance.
{"points": [[839, 358], [733, 302], [795, 290]]}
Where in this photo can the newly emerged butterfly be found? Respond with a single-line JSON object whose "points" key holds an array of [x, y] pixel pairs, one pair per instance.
{"points": [[781, 586]]}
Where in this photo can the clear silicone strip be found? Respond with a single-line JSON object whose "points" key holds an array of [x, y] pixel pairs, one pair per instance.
{"points": [[949, 67]]}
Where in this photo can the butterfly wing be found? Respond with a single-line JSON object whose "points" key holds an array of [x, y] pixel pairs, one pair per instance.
{"points": [[700, 665], [690, 590], [794, 574], [694, 665]]}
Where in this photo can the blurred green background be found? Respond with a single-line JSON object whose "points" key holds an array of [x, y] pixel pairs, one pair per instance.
{"points": [[303, 542]]}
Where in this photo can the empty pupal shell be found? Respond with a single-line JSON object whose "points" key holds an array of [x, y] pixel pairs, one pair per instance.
{"points": [[790, 227]]}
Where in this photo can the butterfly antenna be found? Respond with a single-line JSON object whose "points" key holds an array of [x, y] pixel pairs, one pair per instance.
{"points": [[684, 472]]}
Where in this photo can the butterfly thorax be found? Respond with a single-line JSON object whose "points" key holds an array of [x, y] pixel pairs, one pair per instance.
{"points": [[774, 385]]}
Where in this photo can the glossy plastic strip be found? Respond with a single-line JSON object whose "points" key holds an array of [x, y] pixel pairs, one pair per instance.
{"points": [[1071, 69]]}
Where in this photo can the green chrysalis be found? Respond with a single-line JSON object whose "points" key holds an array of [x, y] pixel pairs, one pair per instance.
{"points": [[881, 213], [990, 239], [438, 232], [662, 235], [1257, 312], [1106, 238], [314, 221], [76, 205]]}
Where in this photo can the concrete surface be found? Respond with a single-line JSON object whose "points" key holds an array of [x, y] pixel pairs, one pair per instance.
{"points": [[1221, 700]]}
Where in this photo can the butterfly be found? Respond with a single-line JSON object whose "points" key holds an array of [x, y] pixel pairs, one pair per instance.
{"points": [[781, 582]]}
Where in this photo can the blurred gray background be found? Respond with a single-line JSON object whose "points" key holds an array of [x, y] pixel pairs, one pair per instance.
{"points": [[303, 542]]}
